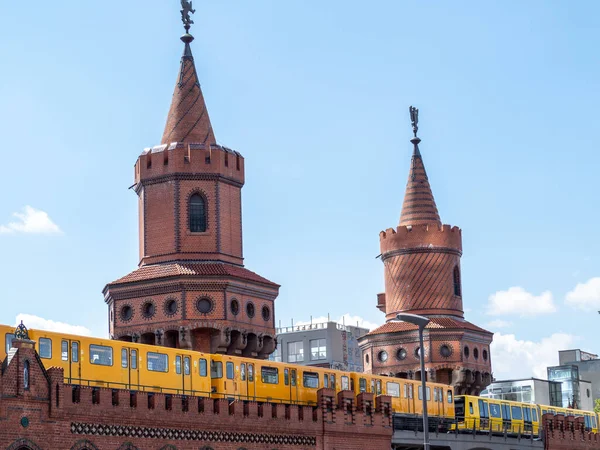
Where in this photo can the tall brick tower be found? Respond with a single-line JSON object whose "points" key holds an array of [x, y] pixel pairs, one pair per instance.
{"points": [[421, 258], [191, 289]]}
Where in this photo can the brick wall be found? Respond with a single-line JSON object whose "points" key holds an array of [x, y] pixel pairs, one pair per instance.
{"points": [[567, 433]]}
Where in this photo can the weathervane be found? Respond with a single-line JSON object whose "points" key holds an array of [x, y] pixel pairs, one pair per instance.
{"points": [[414, 118], [185, 14]]}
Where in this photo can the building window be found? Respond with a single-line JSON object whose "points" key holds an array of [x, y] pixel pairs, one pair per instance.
{"points": [[204, 305], [466, 351], [266, 313], [171, 307], [485, 355], [401, 354], [382, 356], [318, 349], [295, 351], [445, 350], [276, 355], [126, 313], [197, 214], [250, 309], [457, 281], [235, 307], [148, 309], [475, 353]]}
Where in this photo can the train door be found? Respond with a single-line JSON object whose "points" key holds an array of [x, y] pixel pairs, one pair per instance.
{"points": [[409, 398], [71, 358], [506, 419], [290, 379], [251, 383], [183, 370], [528, 425], [484, 415], [130, 372]]}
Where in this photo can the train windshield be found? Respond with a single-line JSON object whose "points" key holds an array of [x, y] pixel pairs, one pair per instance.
{"points": [[459, 408]]}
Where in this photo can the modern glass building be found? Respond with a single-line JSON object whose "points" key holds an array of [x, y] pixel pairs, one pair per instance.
{"points": [[528, 390]]}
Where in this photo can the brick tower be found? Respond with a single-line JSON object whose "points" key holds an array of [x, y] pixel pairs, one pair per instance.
{"points": [[422, 276], [191, 289]]}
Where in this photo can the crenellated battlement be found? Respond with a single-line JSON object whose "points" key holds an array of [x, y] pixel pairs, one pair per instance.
{"points": [[420, 236], [177, 157]]}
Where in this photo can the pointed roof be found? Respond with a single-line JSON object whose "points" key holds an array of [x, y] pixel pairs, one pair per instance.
{"points": [[419, 205], [188, 119]]}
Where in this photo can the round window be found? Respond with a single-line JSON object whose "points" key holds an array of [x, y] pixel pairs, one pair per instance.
{"points": [[445, 350], [148, 310], [466, 351], [250, 310], [475, 353], [418, 352], [171, 307], [235, 307], [382, 356], [266, 313], [367, 359], [401, 354], [126, 313], [484, 354], [204, 305]]}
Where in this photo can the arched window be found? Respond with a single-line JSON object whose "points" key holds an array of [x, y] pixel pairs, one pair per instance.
{"points": [[197, 213], [26, 375], [457, 281]]}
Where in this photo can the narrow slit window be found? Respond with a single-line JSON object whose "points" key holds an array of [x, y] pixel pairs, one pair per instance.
{"points": [[457, 281], [197, 212]]}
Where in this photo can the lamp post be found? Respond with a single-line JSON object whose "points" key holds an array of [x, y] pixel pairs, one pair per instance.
{"points": [[421, 322]]}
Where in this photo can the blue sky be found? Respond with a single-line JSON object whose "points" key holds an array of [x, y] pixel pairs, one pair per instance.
{"points": [[315, 95]]}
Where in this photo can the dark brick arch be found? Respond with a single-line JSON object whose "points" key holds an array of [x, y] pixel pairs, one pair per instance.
{"points": [[84, 444], [127, 446], [168, 447], [23, 444]]}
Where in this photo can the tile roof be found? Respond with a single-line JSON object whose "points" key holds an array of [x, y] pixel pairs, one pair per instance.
{"points": [[155, 271], [435, 323]]}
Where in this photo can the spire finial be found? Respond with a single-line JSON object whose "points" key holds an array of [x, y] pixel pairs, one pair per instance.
{"points": [[185, 14], [414, 119]]}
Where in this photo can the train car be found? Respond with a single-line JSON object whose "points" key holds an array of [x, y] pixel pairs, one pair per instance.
{"points": [[267, 381], [407, 395], [118, 364]]}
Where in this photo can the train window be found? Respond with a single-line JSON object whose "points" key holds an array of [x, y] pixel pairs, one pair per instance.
{"points": [[293, 377], [372, 386], [124, 357], [332, 381], [483, 409], [250, 372], [362, 384], [544, 411], [471, 408], [310, 380], [157, 362], [410, 391], [405, 390], [8, 338], [526, 414], [269, 375], [178, 365], [45, 348], [202, 367], [64, 350], [75, 351], [325, 381], [243, 372], [428, 393], [186, 365], [101, 355], [421, 393], [495, 411], [593, 421], [286, 376], [216, 369], [134, 359], [393, 389], [534, 414], [378, 384], [345, 383], [449, 396], [229, 370], [435, 394], [517, 413]]}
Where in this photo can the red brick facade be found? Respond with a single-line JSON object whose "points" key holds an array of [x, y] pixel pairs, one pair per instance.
{"points": [[421, 260], [191, 290]]}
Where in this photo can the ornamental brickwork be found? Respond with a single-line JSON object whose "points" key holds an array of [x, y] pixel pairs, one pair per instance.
{"points": [[421, 259]]}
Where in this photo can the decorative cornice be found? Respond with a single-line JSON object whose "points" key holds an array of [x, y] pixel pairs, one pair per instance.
{"points": [[182, 176], [413, 250]]}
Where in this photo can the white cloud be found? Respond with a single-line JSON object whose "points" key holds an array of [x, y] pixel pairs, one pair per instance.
{"points": [[345, 319], [514, 358], [517, 301], [586, 295], [38, 323], [32, 221], [498, 323]]}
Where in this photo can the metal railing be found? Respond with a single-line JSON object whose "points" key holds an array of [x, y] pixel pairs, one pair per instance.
{"points": [[311, 326]]}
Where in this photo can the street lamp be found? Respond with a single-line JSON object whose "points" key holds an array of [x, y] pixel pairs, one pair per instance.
{"points": [[421, 322]]}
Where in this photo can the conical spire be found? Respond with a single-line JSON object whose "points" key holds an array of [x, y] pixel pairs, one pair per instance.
{"points": [[419, 205], [188, 119]]}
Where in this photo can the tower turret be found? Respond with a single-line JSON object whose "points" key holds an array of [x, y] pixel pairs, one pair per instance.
{"points": [[191, 289], [421, 260]]}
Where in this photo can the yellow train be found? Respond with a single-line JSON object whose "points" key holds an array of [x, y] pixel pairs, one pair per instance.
{"points": [[494, 415], [125, 365]]}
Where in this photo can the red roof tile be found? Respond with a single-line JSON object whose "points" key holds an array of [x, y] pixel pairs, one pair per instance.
{"points": [[435, 323], [155, 271]]}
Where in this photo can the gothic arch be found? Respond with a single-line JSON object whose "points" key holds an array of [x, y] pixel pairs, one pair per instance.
{"points": [[127, 446], [23, 444], [84, 444]]}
